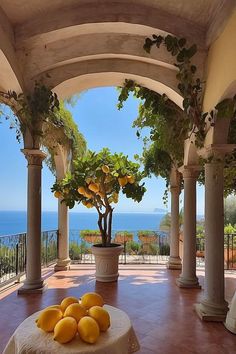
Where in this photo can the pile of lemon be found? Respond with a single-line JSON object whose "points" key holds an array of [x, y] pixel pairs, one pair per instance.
{"points": [[85, 316]]}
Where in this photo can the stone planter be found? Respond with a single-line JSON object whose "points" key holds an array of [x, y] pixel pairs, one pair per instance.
{"points": [[92, 238], [107, 261], [122, 238]]}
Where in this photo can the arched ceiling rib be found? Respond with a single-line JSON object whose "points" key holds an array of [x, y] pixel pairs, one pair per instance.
{"points": [[113, 68], [109, 11], [41, 58]]}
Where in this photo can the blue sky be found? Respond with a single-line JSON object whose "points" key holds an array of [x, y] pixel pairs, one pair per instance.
{"points": [[103, 126]]}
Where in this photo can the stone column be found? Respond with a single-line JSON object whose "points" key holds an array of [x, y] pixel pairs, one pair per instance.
{"points": [[188, 278], [63, 262], [213, 307], [33, 282], [174, 260]]}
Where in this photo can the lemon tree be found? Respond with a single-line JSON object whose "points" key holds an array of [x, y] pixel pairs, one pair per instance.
{"points": [[96, 182]]}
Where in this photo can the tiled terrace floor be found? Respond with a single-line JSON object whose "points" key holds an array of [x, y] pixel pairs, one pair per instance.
{"points": [[162, 314]]}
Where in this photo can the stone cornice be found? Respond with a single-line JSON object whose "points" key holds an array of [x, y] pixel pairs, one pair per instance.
{"points": [[190, 171], [216, 150], [34, 156]]}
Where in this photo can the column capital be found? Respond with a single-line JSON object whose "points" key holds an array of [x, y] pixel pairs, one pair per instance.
{"points": [[175, 189], [191, 171], [217, 151], [34, 156]]}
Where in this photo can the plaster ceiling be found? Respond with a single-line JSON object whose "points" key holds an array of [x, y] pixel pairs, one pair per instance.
{"points": [[200, 12]]}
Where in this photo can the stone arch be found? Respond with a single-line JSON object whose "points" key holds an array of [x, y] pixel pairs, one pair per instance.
{"points": [[219, 133], [112, 72]]}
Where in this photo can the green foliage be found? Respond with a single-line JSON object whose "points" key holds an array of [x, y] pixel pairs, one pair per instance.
{"points": [[89, 232], [96, 181], [164, 250], [132, 247], [146, 233], [62, 130], [190, 86], [31, 110], [230, 210], [166, 221], [230, 229], [168, 125], [76, 251]]}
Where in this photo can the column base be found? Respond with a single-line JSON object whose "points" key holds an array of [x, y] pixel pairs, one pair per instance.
{"points": [[62, 264], [210, 311], [174, 263], [230, 325], [188, 283], [32, 288], [209, 316]]}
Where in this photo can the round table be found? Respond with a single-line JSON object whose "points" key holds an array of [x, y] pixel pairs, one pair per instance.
{"points": [[119, 339]]}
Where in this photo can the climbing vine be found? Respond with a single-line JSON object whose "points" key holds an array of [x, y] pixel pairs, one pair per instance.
{"points": [[32, 110], [191, 87]]}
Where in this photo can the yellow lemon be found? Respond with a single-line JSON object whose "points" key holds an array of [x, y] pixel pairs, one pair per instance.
{"points": [[48, 319], [91, 299], [65, 330], [101, 194], [102, 317], [55, 307], [81, 190], [94, 187], [130, 179], [68, 301], [88, 180], [88, 195], [105, 169], [88, 329], [122, 181], [76, 311], [57, 194]]}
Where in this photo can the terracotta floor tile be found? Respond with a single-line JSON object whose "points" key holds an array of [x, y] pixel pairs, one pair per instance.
{"points": [[162, 314]]}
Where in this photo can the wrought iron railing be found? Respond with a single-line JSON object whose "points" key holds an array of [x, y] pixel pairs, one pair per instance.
{"points": [[139, 247], [229, 250], [13, 254], [49, 247]]}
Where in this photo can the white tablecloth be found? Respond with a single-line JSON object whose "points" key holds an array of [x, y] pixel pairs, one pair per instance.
{"points": [[119, 339]]}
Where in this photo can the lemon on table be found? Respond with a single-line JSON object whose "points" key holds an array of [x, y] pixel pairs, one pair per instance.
{"points": [[68, 301], [48, 319], [65, 330], [101, 316], [55, 307], [88, 330], [91, 299], [76, 311]]}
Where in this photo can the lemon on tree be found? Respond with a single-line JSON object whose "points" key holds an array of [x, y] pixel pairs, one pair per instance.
{"points": [[100, 177]]}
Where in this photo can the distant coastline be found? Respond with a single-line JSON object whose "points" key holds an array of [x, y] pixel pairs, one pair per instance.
{"points": [[13, 222]]}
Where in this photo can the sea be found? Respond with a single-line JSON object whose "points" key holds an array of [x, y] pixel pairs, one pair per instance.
{"points": [[14, 222]]}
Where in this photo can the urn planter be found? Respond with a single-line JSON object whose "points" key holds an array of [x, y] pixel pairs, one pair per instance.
{"points": [[107, 262]]}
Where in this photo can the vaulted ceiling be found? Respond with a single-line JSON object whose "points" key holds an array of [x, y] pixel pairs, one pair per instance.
{"points": [[78, 38]]}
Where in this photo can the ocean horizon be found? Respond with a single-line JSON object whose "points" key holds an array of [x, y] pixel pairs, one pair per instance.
{"points": [[14, 222]]}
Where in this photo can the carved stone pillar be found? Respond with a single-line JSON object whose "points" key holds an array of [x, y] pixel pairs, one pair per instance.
{"points": [[174, 260], [63, 261], [188, 278], [33, 282], [213, 307]]}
